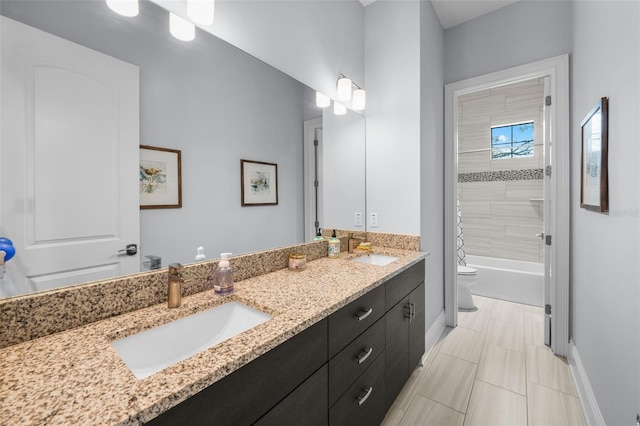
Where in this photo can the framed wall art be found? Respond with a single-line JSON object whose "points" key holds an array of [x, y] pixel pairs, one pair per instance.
{"points": [[160, 178], [594, 180], [259, 183]]}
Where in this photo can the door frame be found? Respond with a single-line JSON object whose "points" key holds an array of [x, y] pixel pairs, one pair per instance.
{"points": [[557, 69], [310, 129]]}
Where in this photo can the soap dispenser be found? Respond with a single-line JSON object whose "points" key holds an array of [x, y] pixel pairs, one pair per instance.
{"points": [[223, 279], [334, 246], [319, 235], [200, 254]]}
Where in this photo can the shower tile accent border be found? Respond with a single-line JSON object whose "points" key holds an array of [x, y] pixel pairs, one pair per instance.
{"points": [[502, 175], [31, 316]]}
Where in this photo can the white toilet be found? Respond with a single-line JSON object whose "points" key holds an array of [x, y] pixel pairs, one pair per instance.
{"points": [[467, 276]]}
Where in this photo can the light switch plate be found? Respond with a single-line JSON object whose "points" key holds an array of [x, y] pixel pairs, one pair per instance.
{"points": [[357, 218], [373, 220]]}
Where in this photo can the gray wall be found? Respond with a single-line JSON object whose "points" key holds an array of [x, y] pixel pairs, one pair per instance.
{"points": [[523, 32], [432, 157], [216, 104], [605, 308]]}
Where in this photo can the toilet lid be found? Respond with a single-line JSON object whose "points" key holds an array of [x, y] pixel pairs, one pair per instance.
{"points": [[466, 270]]}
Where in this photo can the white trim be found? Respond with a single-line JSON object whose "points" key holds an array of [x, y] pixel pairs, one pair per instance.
{"points": [[435, 331], [587, 398], [310, 127], [557, 69]]}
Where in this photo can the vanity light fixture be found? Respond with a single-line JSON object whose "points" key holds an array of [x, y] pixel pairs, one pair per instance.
{"points": [[344, 93], [180, 28], [322, 101], [339, 109], [359, 99], [124, 7], [344, 88], [200, 11]]}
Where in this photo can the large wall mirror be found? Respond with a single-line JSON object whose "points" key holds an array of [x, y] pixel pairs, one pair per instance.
{"points": [[216, 105]]}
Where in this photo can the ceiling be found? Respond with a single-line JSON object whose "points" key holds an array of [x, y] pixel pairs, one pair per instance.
{"points": [[454, 12]]}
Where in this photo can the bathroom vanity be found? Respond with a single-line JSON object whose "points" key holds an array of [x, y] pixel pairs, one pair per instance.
{"points": [[342, 342]]}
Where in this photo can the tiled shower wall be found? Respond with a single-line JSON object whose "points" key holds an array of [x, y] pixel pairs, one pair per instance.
{"points": [[501, 200]]}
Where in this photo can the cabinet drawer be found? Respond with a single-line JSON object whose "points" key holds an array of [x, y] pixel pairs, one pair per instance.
{"points": [[350, 321], [353, 360], [401, 285], [363, 403]]}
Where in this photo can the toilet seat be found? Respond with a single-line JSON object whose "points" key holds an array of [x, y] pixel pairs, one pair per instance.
{"points": [[467, 270]]}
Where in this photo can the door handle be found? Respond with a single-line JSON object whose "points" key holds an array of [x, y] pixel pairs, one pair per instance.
{"points": [[130, 249], [540, 235]]}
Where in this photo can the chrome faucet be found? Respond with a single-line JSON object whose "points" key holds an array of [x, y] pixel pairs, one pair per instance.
{"points": [[176, 279], [354, 241]]}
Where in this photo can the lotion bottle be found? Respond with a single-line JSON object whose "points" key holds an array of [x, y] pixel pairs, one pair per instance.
{"points": [[334, 246], [223, 279], [200, 254]]}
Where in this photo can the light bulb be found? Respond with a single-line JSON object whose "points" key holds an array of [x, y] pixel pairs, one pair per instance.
{"points": [[124, 7], [200, 11], [359, 99], [344, 89], [339, 109], [322, 101], [180, 28]]}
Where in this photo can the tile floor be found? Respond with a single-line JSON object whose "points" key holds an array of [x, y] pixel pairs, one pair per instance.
{"points": [[493, 369]]}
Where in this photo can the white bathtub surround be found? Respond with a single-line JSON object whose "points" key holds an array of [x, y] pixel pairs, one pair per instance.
{"points": [[512, 280]]}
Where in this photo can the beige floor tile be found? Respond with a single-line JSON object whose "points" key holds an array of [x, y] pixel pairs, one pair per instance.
{"points": [[410, 388], [506, 334], [533, 313], [504, 368], [546, 369], [464, 344], [393, 417], [533, 332], [550, 407], [436, 348], [449, 382], [428, 412], [507, 311], [492, 405], [476, 321]]}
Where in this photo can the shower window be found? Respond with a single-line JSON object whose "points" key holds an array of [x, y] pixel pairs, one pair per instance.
{"points": [[512, 141]]}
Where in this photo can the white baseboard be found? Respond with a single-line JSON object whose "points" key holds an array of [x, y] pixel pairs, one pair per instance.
{"points": [[587, 398], [435, 331]]}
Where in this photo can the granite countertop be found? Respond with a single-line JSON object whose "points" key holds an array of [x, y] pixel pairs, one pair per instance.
{"points": [[76, 376]]}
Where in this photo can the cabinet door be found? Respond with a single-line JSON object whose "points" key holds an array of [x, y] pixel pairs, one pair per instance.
{"points": [[307, 405], [416, 326], [397, 354]]}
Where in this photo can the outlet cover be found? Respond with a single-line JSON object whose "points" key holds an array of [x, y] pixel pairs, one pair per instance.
{"points": [[357, 218], [373, 220]]}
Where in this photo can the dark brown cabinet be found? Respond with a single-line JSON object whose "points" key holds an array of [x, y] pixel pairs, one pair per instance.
{"points": [[405, 328]]}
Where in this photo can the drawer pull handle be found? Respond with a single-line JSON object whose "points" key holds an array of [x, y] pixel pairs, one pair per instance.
{"points": [[362, 398], [365, 314], [362, 356]]}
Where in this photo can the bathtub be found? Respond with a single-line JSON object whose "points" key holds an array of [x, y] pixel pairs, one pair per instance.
{"points": [[512, 280]]}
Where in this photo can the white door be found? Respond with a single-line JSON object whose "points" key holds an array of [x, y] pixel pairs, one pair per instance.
{"points": [[69, 152]]}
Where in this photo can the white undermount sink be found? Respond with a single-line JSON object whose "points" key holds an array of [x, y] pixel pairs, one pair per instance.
{"points": [[376, 259], [152, 350]]}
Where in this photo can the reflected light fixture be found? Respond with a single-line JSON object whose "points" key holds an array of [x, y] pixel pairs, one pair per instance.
{"points": [[344, 88], [124, 7], [322, 101], [339, 109], [180, 28], [359, 99], [200, 11]]}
